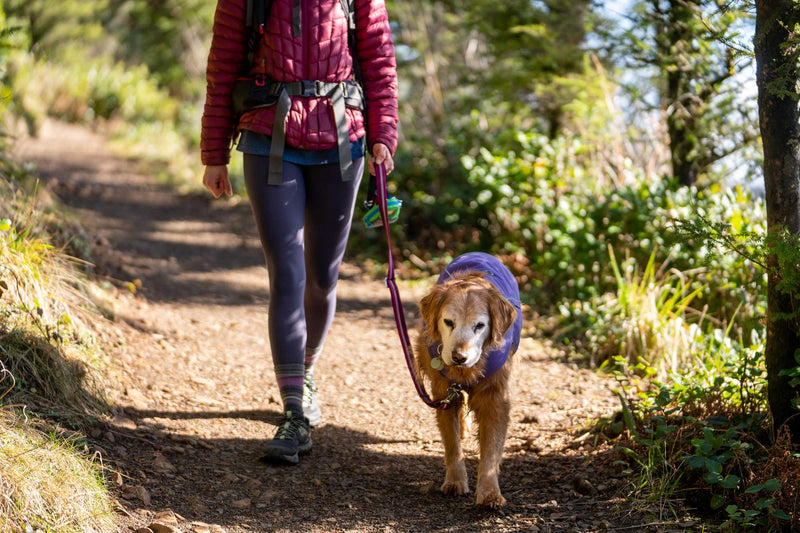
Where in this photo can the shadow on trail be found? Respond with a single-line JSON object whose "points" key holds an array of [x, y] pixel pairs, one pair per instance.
{"points": [[179, 246], [352, 481]]}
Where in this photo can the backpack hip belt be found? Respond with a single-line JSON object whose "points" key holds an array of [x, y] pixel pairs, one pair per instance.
{"points": [[340, 94]]}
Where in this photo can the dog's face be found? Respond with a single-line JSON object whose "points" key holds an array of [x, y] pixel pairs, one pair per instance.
{"points": [[468, 314]]}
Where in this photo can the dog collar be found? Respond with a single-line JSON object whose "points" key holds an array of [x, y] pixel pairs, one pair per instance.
{"points": [[494, 362]]}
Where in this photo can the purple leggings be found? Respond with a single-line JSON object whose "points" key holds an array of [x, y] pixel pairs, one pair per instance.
{"points": [[303, 224]]}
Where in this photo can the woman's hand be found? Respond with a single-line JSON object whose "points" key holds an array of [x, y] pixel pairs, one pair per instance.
{"points": [[381, 154], [215, 178]]}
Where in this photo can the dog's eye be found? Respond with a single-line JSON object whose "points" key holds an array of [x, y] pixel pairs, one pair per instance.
{"points": [[449, 323], [479, 326]]}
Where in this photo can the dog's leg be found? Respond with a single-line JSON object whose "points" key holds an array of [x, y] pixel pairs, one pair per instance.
{"points": [[455, 481], [492, 415]]}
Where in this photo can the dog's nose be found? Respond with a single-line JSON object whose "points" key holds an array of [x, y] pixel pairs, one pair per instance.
{"points": [[458, 358]]}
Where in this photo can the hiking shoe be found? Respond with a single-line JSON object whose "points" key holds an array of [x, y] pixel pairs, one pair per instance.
{"points": [[310, 406], [292, 439]]}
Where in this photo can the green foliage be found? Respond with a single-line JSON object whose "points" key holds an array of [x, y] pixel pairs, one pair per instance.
{"points": [[169, 37], [698, 432], [675, 431], [698, 68], [89, 91], [648, 318], [57, 32], [127, 64], [540, 202]]}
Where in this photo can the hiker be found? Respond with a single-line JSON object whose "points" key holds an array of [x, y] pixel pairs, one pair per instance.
{"points": [[305, 129]]}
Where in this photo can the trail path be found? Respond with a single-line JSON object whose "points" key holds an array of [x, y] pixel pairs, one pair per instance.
{"points": [[198, 399]]}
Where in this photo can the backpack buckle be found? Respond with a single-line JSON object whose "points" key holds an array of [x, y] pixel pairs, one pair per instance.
{"points": [[308, 88]]}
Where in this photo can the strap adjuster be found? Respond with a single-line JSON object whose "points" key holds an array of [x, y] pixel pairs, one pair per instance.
{"points": [[309, 88]]}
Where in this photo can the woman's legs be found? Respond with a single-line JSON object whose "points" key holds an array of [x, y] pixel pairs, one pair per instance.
{"points": [[279, 216], [329, 211], [303, 224]]}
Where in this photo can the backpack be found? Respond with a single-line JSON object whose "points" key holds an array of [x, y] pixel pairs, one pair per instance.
{"points": [[258, 11], [249, 93]]}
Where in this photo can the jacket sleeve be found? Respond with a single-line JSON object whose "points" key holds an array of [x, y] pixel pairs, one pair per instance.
{"points": [[375, 51], [226, 60]]}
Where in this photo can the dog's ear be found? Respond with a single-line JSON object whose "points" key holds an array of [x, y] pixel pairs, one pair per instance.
{"points": [[429, 308], [503, 316]]}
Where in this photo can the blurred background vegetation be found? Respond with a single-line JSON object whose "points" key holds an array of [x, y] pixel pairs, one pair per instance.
{"points": [[609, 152]]}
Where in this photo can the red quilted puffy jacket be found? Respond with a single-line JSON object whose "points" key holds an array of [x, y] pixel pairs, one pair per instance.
{"points": [[285, 57]]}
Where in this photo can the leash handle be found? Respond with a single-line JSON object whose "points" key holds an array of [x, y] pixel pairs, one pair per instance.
{"points": [[397, 305]]}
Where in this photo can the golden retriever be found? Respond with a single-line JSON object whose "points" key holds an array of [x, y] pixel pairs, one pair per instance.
{"points": [[466, 321]]}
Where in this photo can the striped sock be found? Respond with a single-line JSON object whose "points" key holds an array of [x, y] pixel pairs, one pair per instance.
{"points": [[312, 356], [290, 383]]}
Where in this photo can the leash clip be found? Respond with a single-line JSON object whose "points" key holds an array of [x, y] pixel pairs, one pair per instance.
{"points": [[453, 395]]}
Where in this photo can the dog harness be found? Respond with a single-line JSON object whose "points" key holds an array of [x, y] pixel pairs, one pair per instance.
{"points": [[502, 278]]}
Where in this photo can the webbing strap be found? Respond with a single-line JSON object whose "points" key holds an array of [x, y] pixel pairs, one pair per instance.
{"points": [[397, 304], [296, 30], [342, 134], [338, 92], [278, 142]]}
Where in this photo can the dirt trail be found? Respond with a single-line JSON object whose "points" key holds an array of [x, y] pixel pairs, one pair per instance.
{"points": [[196, 387]]}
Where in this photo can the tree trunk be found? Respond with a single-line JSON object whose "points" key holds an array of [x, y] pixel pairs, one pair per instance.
{"points": [[683, 106], [777, 76]]}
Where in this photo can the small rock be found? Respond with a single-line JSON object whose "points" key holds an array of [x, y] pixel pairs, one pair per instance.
{"points": [[165, 522], [158, 527], [99, 450], [229, 477], [210, 383], [206, 445], [427, 488], [268, 495], [138, 492], [198, 506], [583, 486], [252, 485], [161, 464], [166, 517], [124, 422], [241, 504], [144, 530]]}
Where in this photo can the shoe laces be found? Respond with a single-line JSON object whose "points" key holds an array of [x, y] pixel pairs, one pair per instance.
{"points": [[309, 389], [288, 427]]}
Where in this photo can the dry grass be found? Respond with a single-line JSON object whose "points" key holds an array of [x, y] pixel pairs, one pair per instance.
{"points": [[46, 484], [47, 360]]}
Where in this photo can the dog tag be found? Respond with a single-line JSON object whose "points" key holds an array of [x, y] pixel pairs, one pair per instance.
{"points": [[437, 363]]}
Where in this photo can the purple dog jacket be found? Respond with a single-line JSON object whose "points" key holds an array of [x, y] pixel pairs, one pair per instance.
{"points": [[496, 273]]}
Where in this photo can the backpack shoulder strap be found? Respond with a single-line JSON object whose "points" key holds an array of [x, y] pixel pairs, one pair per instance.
{"points": [[350, 12], [256, 19], [349, 8]]}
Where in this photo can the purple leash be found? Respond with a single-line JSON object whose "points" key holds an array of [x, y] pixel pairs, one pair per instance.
{"points": [[454, 392]]}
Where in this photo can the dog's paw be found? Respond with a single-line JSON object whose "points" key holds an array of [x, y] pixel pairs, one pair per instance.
{"points": [[490, 498], [455, 487]]}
